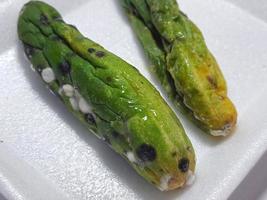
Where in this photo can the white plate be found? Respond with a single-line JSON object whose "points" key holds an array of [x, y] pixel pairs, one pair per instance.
{"points": [[47, 154]]}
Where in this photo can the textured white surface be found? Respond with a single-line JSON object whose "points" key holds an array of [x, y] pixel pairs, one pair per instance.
{"points": [[39, 131]]}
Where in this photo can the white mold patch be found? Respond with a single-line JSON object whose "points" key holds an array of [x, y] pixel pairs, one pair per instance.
{"points": [[48, 75], [83, 106], [164, 182], [74, 103], [190, 178], [131, 157], [224, 132], [68, 90]]}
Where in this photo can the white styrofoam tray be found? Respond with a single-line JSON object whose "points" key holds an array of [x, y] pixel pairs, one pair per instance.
{"points": [[45, 153]]}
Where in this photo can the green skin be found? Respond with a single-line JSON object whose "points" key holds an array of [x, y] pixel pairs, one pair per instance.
{"points": [[182, 62], [129, 113]]}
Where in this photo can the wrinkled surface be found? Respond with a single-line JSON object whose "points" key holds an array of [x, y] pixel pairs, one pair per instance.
{"points": [[185, 67], [108, 95]]}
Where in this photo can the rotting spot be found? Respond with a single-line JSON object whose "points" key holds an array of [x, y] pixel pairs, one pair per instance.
{"points": [[90, 118], [100, 54], [44, 19], [212, 81], [146, 152], [65, 67], [183, 165], [91, 50], [29, 51], [115, 134]]}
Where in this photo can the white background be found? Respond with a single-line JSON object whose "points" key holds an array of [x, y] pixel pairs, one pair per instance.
{"points": [[254, 186]]}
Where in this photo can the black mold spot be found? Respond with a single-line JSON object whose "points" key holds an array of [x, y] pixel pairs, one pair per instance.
{"points": [[174, 154], [44, 20], [65, 67], [91, 50], [39, 68], [115, 134], [146, 152], [90, 118], [183, 165], [100, 54], [29, 51]]}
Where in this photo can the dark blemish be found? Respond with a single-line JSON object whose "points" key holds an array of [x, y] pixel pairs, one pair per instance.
{"points": [[100, 54], [212, 81], [91, 50], [65, 67], [153, 182], [174, 154], [29, 51], [176, 19], [146, 152], [115, 134], [57, 82], [109, 79], [44, 20], [183, 165], [90, 118]]}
